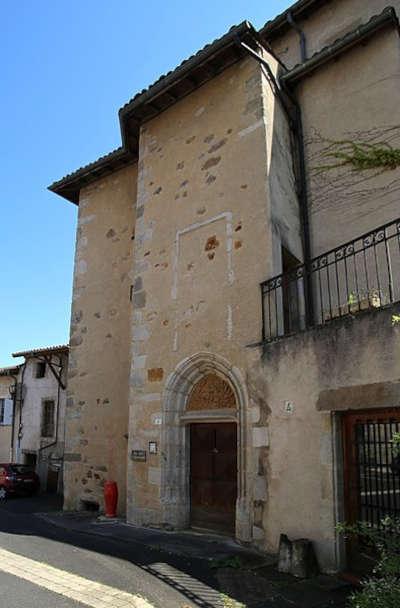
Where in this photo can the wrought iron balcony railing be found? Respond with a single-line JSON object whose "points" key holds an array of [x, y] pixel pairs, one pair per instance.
{"points": [[359, 275]]}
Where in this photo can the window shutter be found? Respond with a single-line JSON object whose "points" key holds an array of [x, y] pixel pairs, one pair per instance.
{"points": [[8, 411]]}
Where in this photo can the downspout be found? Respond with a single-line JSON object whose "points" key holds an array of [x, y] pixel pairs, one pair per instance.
{"points": [[302, 36], [296, 126], [21, 402]]}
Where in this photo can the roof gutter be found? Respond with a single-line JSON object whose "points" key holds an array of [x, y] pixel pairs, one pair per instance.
{"points": [[140, 109], [167, 82], [281, 23], [387, 17], [185, 68], [69, 186]]}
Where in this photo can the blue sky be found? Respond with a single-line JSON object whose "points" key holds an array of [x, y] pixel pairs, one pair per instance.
{"points": [[67, 67]]}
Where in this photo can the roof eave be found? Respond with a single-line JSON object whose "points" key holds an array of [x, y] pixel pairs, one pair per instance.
{"points": [[184, 70], [386, 18], [131, 118], [61, 348], [278, 26], [9, 371], [69, 187]]}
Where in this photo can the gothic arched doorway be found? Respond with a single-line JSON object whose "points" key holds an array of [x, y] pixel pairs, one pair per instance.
{"points": [[213, 455], [205, 389]]}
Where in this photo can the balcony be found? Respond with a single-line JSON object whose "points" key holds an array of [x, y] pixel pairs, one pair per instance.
{"points": [[360, 275]]}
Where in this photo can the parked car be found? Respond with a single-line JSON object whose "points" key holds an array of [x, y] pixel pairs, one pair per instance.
{"points": [[17, 479]]}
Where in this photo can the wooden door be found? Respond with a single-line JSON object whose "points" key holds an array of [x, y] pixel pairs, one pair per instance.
{"points": [[213, 475]]}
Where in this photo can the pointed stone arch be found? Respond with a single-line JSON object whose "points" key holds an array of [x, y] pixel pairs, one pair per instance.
{"points": [[175, 465]]}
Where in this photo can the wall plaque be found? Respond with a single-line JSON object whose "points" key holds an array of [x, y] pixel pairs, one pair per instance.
{"points": [[138, 455]]}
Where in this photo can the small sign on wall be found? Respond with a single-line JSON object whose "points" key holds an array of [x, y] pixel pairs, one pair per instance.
{"points": [[289, 407], [152, 447], [138, 455]]}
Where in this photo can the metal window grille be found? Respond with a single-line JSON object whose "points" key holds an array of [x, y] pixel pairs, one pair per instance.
{"points": [[2, 409], [378, 483], [359, 275]]}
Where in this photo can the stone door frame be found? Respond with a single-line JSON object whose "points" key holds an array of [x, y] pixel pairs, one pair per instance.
{"points": [[175, 449]]}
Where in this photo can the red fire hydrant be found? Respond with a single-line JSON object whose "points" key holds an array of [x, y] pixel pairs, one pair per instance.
{"points": [[110, 498]]}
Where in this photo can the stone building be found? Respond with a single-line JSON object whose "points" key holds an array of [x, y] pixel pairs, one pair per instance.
{"points": [[8, 379], [39, 413], [234, 354]]}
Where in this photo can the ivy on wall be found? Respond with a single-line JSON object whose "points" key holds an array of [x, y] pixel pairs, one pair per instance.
{"points": [[359, 156], [360, 167]]}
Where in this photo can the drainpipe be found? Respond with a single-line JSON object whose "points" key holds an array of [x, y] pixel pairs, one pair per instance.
{"points": [[303, 43], [21, 402], [293, 113]]}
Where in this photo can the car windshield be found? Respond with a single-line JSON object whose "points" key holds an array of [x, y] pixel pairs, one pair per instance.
{"points": [[20, 468]]}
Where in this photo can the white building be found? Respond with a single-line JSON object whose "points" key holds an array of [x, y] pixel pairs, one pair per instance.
{"points": [[8, 380], [39, 413]]}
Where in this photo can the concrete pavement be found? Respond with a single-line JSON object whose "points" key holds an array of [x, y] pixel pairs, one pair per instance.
{"points": [[161, 568]]}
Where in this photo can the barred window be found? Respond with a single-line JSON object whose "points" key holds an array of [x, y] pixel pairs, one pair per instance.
{"points": [[48, 419], [2, 408]]}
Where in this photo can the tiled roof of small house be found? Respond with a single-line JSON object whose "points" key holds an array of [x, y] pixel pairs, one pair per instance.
{"points": [[44, 350], [10, 370]]}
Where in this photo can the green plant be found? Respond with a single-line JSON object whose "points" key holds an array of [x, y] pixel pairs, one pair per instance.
{"points": [[359, 156], [395, 441], [227, 562], [382, 589], [353, 299], [229, 602]]}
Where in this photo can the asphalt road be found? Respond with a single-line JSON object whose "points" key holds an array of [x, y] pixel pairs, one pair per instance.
{"points": [[37, 561]]}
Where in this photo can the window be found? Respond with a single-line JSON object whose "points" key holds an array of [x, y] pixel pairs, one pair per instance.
{"points": [[6, 412], [40, 369], [48, 419]]}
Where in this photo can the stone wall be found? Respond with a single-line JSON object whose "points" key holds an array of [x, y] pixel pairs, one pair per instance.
{"points": [[203, 244], [214, 197], [326, 24], [352, 99], [355, 100], [303, 383], [97, 407]]}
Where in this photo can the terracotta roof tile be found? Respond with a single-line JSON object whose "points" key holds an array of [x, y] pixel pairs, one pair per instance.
{"points": [[42, 351]]}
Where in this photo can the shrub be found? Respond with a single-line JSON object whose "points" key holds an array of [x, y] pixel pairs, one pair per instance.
{"points": [[382, 589]]}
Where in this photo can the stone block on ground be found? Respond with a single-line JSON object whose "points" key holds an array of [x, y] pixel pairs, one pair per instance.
{"points": [[297, 557]]}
